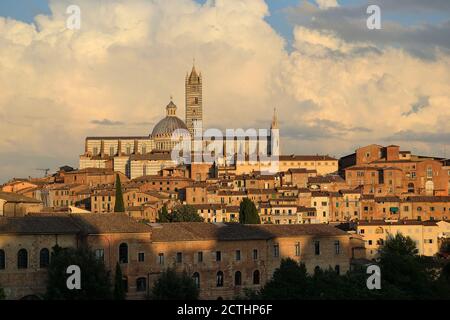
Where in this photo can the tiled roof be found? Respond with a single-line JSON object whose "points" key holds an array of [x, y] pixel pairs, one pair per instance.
{"points": [[306, 158], [38, 225], [192, 231], [14, 197], [108, 223]]}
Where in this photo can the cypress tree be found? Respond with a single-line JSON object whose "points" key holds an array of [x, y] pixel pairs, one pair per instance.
{"points": [[119, 290], [248, 214], [119, 206]]}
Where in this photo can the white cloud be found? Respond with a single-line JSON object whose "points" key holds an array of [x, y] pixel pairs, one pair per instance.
{"points": [[325, 4], [129, 57]]}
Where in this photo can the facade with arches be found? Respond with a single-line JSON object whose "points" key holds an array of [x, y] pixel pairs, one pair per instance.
{"points": [[222, 259]]}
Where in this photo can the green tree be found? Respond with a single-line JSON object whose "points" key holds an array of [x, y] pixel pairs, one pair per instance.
{"points": [[2, 294], [290, 281], [248, 214], [173, 286], [95, 282], [182, 213], [119, 205], [163, 216], [119, 290]]}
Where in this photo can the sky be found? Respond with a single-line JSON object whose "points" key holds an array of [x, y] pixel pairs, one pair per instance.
{"points": [[336, 84]]}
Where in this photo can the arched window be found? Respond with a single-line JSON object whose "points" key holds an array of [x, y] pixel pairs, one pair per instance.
{"points": [[219, 279], [22, 259], [196, 277], [2, 260], [44, 258], [141, 284], [411, 188], [123, 253], [256, 277], [237, 278], [379, 230]]}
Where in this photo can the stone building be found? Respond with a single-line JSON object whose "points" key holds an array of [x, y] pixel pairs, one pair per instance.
{"points": [[223, 259], [427, 235]]}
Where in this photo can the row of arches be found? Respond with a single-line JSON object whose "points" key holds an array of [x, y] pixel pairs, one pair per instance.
{"points": [[23, 259], [256, 278]]}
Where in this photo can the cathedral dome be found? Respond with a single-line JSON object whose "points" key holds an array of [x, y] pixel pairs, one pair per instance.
{"points": [[170, 123]]}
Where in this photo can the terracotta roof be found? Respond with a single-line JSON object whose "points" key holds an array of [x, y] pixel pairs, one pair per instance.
{"points": [[397, 223], [192, 231], [38, 225], [387, 199], [108, 223], [18, 198], [306, 158]]}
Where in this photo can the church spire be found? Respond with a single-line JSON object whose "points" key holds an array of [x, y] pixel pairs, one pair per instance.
{"points": [[274, 120]]}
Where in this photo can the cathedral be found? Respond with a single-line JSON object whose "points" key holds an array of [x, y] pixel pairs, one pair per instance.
{"points": [[147, 155]]}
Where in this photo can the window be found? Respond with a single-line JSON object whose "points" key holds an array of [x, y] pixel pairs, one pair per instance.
{"points": [[256, 277], [141, 284], [297, 249], [238, 255], [123, 253], [22, 259], [429, 172], [276, 251], [218, 256], [317, 270], [255, 254], [99, 254], [317, 247], [337, 247], [2, 260], [219, 279], [111, 151], [196, 278], [179, 257], [200, 257], [44, 258], [237, 278], [141, 256], [161, 258]]}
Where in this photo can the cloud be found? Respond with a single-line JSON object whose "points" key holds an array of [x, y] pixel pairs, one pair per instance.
{"points": [[416, 107], [332, 91], [325, 4], [107, 122], [421, 136], [423, 38]]}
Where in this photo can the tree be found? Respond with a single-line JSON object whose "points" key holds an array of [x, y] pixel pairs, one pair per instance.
{"points": [[119, 205], [403, 268], [182, 213], [173, 286], [95, 282], [290, 281], [2, 294], [163, 216], [119, 290], [248, 214]]}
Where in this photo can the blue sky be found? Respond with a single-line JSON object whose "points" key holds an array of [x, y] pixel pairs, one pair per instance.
{"points": [[25, 10]]}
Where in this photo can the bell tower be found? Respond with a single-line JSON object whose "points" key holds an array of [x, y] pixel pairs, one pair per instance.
{"points": [[194, 99]]}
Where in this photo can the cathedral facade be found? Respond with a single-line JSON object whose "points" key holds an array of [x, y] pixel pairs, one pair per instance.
{"points": [[148, 155]]}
